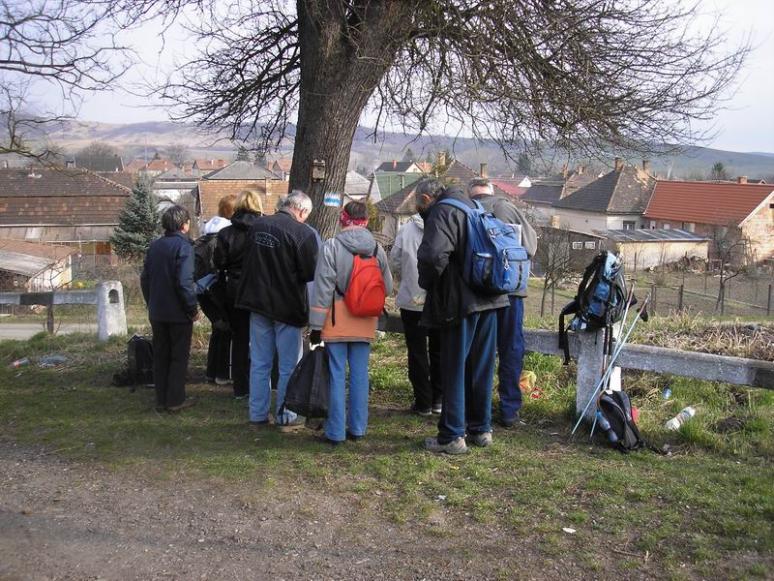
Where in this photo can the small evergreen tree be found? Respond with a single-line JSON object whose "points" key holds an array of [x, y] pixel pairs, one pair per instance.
{"points": [[409, 155], [138, 224]]}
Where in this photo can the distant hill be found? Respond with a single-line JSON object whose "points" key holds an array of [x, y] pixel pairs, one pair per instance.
{"points": [[134, 139]]}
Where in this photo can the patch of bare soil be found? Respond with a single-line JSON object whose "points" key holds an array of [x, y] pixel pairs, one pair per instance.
{"points": [[753, 341], [62, 520]]}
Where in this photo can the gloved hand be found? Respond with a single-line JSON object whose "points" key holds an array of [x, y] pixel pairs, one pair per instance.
{"points": [[315, 337]]}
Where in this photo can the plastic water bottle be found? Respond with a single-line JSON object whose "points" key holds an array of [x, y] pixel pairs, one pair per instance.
{"points": [[667, 393], [677, 421], [20, 362], [604, 425]]}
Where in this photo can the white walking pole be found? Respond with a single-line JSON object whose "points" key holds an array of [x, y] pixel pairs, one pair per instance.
{"points": [[616, 353]]}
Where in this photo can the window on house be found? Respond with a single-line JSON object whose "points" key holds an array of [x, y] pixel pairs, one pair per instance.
{"points": [[590, 245], [577, 245], [691, 227], [666, 226], [652, 224], [627, 225]]}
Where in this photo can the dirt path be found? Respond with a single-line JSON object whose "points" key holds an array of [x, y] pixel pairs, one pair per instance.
{"points": [[62, 520]]}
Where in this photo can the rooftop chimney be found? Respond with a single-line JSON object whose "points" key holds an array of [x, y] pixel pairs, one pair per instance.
{"points": [[646, 166], [741, 180], [619, 164], [394, 163], [483, 170]]}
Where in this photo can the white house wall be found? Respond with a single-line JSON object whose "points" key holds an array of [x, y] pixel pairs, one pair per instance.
{"points": [[652, 254], [590, 221]]}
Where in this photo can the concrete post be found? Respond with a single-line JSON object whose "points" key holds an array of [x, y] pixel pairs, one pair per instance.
{"points": [[111, 316], [590, 369]]}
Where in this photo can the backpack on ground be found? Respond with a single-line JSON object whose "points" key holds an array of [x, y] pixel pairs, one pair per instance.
{"points": [[140, 360], [600, 300], [616, 422], [366, 293], [307, 391], [496, 263]]}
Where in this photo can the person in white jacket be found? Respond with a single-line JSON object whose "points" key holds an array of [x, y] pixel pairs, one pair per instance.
{"points": [[422, 344]]}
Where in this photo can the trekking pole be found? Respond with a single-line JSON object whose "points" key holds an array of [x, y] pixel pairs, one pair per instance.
{"points": [[608, 371], [629, 298]]}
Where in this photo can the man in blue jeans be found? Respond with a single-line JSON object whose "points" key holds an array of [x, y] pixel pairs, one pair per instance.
{"points": [[467, 319], [510, 321], [279, 261]]}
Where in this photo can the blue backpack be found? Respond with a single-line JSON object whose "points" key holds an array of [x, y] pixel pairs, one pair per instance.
{"points": [[495, 261]]}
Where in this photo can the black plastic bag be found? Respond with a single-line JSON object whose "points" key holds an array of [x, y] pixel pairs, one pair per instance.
{"points": [[308, 387]]}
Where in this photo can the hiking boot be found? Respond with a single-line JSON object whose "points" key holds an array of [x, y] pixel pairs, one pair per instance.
{"points": [[323, 439], [223, 381], [424, 412], [436, 409], [481, 440], [173, 409], [508, 423], [353, 438], [456, 446], [299, 423], [259, 423]]}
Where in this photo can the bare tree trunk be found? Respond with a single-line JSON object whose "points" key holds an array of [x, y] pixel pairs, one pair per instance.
{"points": [[543, 298], [338, 75]]}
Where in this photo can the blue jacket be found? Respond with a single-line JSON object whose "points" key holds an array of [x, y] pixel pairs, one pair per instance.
{"points": [[167, 279]]}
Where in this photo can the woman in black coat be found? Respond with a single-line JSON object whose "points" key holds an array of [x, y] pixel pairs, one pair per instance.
{"points": [[229, 252]]}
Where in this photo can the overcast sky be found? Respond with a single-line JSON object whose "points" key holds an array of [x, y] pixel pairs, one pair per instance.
{"points": [[746, 124]]}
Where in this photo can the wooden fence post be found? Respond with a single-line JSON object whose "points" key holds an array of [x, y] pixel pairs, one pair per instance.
{"points": [[768, 303], [680, 299]]}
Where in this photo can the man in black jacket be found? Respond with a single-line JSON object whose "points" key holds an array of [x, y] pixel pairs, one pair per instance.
{"points": [[468, 319], [168, 288], [510, 321], [280, 258]]}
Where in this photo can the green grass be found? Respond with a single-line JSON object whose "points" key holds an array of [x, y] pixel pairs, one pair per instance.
{"points": [[705, 511]]}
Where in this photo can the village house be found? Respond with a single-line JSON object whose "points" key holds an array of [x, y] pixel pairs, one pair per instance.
{"points": [[59, 205], [569, 248], [98, 163], [281, 167], [201, 167], [720, 211], [356, 188], [233, 179], [614, 201], [34, 267], [392, 176]]}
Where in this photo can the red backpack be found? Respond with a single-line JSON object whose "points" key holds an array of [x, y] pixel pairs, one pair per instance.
{"points": [[366, 291]]}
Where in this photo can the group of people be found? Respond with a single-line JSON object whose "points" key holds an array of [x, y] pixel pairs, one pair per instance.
{"points": [[263, 279]]}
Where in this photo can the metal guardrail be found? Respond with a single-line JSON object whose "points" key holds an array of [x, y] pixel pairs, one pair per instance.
{"points": [[108, 296]]}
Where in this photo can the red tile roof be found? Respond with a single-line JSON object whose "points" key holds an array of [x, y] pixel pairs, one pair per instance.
{"points": [[510, 187], [705, 202]]}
